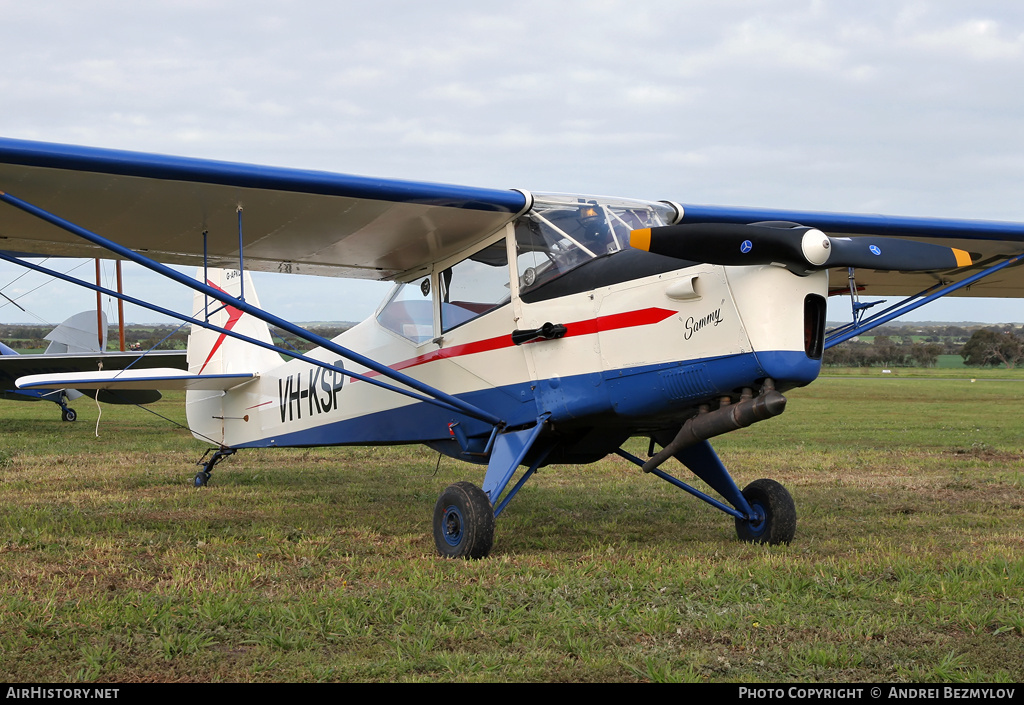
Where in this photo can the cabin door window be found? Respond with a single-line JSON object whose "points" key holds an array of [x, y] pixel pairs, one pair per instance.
{"points": [[474, 286]]}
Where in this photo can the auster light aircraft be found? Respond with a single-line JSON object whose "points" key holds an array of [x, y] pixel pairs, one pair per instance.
{"points": [[523, 329]]}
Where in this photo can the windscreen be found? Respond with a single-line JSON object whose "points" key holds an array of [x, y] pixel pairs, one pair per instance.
{"points": [[561, 232]]}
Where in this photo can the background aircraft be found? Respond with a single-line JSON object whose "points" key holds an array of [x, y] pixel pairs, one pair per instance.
{"points": [[77, 345], [523, 329]]}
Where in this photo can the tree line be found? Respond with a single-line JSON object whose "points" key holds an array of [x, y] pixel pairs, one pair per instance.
{"points": [[991, 346], [152, 337]]}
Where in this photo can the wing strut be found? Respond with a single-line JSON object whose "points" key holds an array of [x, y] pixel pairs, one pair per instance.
{"points": [[433, 395], [858, 327]]}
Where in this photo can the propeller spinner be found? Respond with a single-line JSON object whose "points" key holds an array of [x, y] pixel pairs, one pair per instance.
{"points": [[799, 248]]}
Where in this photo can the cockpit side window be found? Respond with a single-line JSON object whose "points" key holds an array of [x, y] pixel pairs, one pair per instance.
{"points": [[410, 311], [474, 286]]}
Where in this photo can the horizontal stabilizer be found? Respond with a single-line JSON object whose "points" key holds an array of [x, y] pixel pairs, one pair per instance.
{"points": [[135, 379]]}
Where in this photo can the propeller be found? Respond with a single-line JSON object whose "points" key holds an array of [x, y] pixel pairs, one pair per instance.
{"points": [[800, 248]]}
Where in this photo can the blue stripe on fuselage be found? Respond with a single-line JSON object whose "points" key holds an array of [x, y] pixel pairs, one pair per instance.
{"points": [[619, 399]]}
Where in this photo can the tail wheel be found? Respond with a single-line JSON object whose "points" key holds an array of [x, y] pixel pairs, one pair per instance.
{"points": [[775, 514], [463, 522]]}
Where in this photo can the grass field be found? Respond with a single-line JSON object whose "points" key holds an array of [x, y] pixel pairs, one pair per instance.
{"points": [[318, 565]]}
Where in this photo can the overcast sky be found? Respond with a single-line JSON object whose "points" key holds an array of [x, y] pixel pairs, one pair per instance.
{"points": [[904, 108]]}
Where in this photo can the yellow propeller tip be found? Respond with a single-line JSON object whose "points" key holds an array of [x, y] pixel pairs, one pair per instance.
{"points": [[963, 259], [641, 239]]}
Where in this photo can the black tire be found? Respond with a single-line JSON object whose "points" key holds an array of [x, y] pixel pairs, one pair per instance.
{"points": [[68, 414], [463, 522], [775, 503], [201, 479]]}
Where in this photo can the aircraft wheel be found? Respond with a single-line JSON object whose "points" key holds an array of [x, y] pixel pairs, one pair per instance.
{"points": [[463, 522], [202, 478], [68, 414], [775, 504]]}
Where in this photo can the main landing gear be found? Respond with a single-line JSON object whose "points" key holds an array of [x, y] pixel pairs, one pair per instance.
{"points": [[464, 513], [764, 511]]}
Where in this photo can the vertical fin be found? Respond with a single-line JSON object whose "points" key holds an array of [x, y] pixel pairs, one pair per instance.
{"points": [[213, 352], [78, 334], [216, 353]]}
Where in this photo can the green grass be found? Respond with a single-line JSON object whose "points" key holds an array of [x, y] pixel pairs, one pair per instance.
{"points": [[940, 371], [318, 565]]}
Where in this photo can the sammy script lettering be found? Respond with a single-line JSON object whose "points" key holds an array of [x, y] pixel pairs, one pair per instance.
{"points": [[695, 324]]}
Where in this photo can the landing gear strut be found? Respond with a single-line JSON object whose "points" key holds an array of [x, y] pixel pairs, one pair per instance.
{"points": [[202, 477], [764, 511], [66, 412]]}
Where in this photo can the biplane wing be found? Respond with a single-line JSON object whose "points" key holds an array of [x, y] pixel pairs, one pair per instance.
{"points": [[75, 347], [13, 367]]}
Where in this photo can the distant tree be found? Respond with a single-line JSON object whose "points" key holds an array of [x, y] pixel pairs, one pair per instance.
{"points": [[991, 347], [887, 352], [925, 354]]}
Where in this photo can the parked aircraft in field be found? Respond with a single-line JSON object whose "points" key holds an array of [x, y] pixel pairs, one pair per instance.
{"points": [[523, 329], [76, 345]]}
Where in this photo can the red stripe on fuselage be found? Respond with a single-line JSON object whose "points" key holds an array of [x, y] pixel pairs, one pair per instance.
{"points": [[630, 319]]}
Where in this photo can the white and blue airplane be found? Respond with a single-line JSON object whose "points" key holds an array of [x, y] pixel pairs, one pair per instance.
{"points": [[523, 329]]}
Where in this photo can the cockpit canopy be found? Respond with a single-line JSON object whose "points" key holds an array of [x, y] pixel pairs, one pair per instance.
{"points": [[562, 232], [559, 234]]}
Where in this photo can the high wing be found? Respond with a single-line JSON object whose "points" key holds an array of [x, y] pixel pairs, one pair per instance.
{"points": [[175, 209], [987, 242], [291, 220]]}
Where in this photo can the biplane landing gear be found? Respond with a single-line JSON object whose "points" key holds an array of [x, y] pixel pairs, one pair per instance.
{"points": [[66, 412], [775, 514], [202, 477], [463, 522]]}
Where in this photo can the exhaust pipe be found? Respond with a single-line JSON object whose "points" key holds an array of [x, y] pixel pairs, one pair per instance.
{"points": [[728, 417]]}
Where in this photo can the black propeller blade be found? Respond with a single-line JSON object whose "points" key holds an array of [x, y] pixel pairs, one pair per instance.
{"points": [[800, 248]]}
